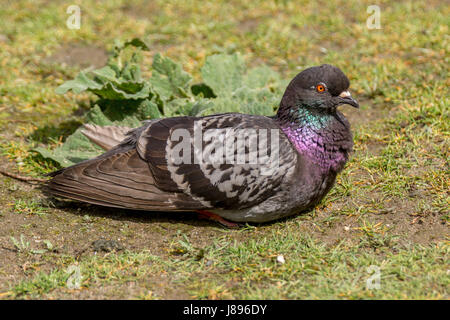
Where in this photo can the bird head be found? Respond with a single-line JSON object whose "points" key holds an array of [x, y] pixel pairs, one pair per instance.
{"points": [[323, 87]]}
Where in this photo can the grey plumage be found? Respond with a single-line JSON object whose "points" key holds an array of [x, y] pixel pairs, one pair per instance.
{"points": [[142, 169]]}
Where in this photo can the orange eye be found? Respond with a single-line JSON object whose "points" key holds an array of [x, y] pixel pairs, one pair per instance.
{"points": [[320, 88]]}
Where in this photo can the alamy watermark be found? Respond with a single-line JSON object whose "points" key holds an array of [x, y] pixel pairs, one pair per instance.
{"points": [[74, 20], [225, 146], [74, 280], [374, 281], [374, 20]]}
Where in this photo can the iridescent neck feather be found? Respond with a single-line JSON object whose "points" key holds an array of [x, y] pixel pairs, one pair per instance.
{"points": [[319, 134]]}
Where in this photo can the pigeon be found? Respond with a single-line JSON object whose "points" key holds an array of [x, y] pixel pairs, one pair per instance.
{"points": [[232, 168]]}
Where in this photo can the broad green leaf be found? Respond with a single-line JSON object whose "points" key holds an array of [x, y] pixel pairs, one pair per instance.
{"points": [[168, 78], [133, 73], [106, 74], [165, 66], [223, 73], [162, 86], [184, 107], [224, 104], [260, 77], [123, 91], [148, 110], [199, 107], [77, 148], [256, 101], [96, 116], [119, 112], [246, 100], [79, 84], [107, 86]]}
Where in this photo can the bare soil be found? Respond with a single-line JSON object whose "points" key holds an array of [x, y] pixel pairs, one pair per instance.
{"points": [[78, 54]]}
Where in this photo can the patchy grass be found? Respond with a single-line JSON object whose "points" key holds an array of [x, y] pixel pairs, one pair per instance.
{"points": [[249, 270], [28, 207], [388, 209]]}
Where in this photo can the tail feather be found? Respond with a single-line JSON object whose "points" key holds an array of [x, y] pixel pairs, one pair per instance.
{"points": [[121, 180], [105, 137]]}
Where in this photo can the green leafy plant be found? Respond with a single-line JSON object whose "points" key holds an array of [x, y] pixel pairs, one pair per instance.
{"points": [[126, 99], [22, 245]]}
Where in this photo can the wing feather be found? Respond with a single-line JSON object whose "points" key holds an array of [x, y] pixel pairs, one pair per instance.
{"points": [[140, 172], [121, 180], [224, 185]]}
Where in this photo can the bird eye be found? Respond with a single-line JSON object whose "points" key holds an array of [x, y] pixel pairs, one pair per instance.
{"points": [[320, 88]]}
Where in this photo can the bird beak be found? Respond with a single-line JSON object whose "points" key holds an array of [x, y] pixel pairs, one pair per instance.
{"points": [[346, 98]]}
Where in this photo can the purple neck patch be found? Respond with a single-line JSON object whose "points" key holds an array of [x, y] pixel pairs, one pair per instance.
{"points": [[313, 144]]}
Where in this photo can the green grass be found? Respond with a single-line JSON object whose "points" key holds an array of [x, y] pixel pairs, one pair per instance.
{"points": [[249, 270], [389, 207]]}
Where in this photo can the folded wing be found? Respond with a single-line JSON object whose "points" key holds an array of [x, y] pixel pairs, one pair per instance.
{"points": [[144, 171]]}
